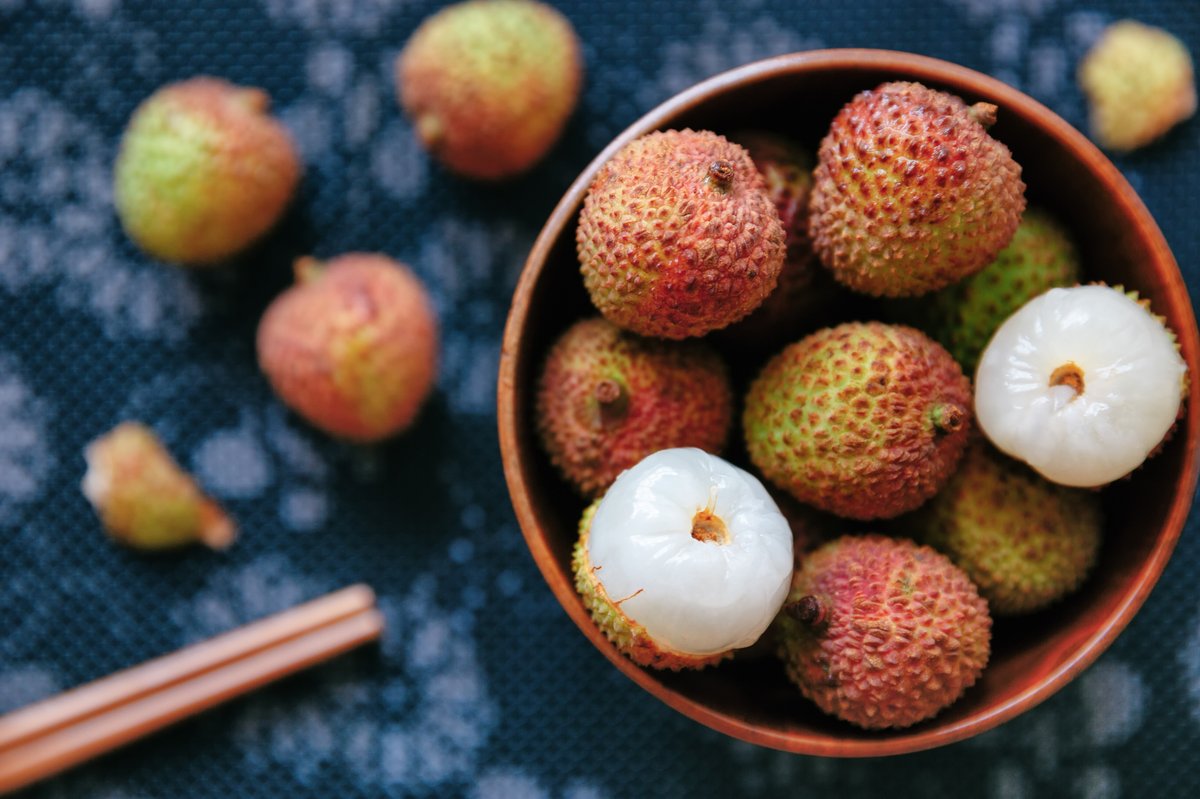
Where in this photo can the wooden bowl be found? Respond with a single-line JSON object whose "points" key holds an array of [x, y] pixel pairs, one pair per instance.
{"points": [[1033, 656]]}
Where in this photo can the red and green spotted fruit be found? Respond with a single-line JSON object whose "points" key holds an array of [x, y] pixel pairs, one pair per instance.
{"points": [[678, 236], [911, 192], [490, 85], [1024, 541], [353, 346], [608, 398], [203, 171], [863, 420], [881, 632]]}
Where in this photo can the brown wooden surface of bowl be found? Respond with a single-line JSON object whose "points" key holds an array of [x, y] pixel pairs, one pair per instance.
{"points": [[1032, 657]]}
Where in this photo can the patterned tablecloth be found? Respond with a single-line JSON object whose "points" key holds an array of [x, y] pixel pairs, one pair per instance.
{"points": [[483, 687]]}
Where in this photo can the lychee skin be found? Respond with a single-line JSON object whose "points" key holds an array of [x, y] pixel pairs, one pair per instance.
{"points": [[911, 194], [678, 236], [608, 398], [1139, 82], [1024, 541], [145, 500], [964, 316], [490, 85], [863, 420], [881, 632], [352, 348], [203, 171]]}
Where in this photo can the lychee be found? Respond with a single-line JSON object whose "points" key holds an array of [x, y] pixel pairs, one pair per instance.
{"points": [[203, 171], [882, 632], [678, 236], [490, 84], [864, 420], [144, 498], [1024, 541], [353, 347], [911, 194], [1081, 383], [684, 559], [607, 398], [1139, 84]]}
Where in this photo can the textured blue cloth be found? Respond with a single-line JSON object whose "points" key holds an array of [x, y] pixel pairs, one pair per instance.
{"points": [[484, 687]]}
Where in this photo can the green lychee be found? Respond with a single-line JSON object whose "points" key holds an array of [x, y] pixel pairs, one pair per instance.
{"points": [[881, 632], [963, 317], [608, 398], [203, 171], [864, 420], [353, 347], [678, 236], [1024, 541], [490, 84], [144, 498], [911, 194], [1139, 84]]}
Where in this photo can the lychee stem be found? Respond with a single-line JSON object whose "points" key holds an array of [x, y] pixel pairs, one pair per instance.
{"points": [[983, 113], [254, 100], [612, 401], [217, 530], [709, 528], [720, 175], [947, 418], [807, 610], [1069, 374], [307, 269], [430, 129]]}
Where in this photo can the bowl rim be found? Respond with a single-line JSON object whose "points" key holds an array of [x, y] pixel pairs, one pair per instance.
{"points": [[913, 67]]}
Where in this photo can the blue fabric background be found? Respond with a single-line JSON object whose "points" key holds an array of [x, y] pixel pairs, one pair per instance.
{"points": [[483, 687]]}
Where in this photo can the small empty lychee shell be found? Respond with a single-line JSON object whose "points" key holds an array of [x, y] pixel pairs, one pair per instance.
{"points": [[1139, 83], [882, 632], [1081, 383], [144, 498], [685, 559], [608, 398], [353, 346], [203, 171], [490, 85]]}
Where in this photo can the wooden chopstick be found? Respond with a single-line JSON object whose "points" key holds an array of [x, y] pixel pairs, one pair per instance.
{"points": [[58, 733]]}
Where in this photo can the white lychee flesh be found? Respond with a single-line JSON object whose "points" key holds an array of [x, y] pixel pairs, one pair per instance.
{"points": [[1080, 383], [700, 593]]}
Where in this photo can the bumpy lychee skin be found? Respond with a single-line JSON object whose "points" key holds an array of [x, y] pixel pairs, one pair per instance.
{"points": [[881, 632], [203, 171], [964, 316], [144, 498], [490, 85], [911, 192], [678, 236], [1139, 83], [1024, 541], [804, 290], [684, 560], [864, 420], [353, 346], [608, 398], [1082, 383]]}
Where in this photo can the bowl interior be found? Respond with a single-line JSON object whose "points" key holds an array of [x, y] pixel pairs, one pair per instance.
{"points": [[1033, 656]]}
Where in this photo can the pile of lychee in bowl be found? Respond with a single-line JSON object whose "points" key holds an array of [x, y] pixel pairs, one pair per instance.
{"points": [[844, 402]]}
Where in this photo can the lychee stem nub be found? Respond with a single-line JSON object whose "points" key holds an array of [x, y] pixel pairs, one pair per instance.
{"points": [[612, 401], [948, 418], [983, 113], [807, 610], [720, 175]]}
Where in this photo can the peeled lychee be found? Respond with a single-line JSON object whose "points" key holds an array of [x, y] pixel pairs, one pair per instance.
{"points": [[864, 420], [144, 498], [685, 559], [678, 236], [911, 192], [490, 84], [1081, 383], [882, 632], [203, 171], [608, 398], [353, 346], [1024, 541], [1139, 84]]}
